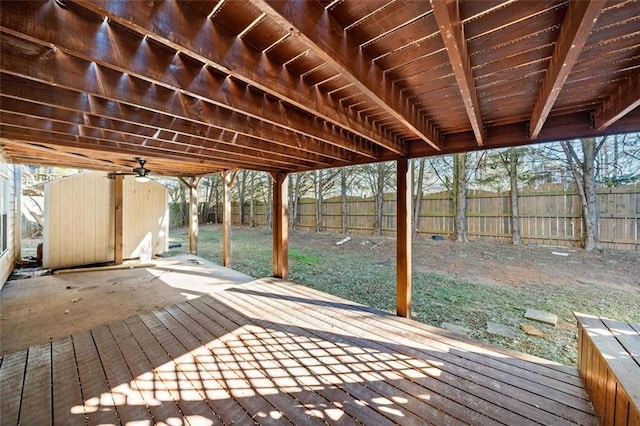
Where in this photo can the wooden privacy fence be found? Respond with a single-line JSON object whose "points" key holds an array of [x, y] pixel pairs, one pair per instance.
{"points": [[548, 215]]}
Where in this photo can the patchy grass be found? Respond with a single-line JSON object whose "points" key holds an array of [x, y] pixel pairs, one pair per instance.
{"points": [[355, 272]]}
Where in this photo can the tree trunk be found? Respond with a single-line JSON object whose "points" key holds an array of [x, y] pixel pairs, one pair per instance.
{"points": [[515, 206], [584, 175], [252, 213], [460, 197], [183, 206], [242, 191], [592, 240], [417, 201], [377, 230], [343, 196], [294, 200], [218, 195], [209, 201], [269, 206], [319, 174]]}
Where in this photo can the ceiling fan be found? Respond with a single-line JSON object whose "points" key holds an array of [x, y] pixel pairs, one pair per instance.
{"points": [[141, 173]]}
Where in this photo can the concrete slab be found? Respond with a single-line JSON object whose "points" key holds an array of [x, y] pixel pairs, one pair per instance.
{"points": [[36, 310], [455, 328], [541, 316], [500, 330]]}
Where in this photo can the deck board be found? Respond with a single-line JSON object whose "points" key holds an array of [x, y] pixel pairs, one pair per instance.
{"points": [[11, 381], [99, 406], [175, 373], [429, 363], [127, 398], [273, 352], [139, 366], [452, 365], [36, 407], [66, 391]]}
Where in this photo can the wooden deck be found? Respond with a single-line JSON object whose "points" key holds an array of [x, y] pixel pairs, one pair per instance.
{"points": [[272, 352]]}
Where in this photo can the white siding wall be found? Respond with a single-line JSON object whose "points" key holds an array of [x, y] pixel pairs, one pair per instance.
{"points": [[146, 219], [79, 220], [10, 179]]}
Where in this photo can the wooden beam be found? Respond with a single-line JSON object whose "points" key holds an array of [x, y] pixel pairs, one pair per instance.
{"points": [[561, 127], [46, 151], [318, 30], [447, 14], [118, 193], [227, 180], [195, 36], [280, 225], [403, 248], [38, 96], [116, 84], [578, 22], [34, 130], [159, 138], [622, 101]]}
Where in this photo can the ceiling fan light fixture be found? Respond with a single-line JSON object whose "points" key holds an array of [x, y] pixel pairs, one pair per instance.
{"points": [[142, 174]]}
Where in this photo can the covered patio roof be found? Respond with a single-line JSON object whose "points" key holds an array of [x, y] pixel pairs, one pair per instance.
{"points": [[202, 86]]}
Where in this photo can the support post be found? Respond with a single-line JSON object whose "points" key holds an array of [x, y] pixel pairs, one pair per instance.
{"points": [[403, 254], [280, 225], [227, 180], [118, 218]]}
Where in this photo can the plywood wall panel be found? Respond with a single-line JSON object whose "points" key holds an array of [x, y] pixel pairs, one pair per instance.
{"points": [[79, 220], [146, 219]]}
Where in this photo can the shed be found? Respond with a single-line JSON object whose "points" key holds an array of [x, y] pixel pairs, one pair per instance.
{"points": [[79, 220]]}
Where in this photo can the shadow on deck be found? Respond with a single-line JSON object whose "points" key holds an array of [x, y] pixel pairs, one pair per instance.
{"points": [[273, 352]]}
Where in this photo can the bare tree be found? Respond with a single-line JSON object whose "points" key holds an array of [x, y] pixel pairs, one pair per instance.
{"points": [[242, 191], [319, 198], [417, 199], [269, 205], [343, 198], [515, 204], [379, 193], [584, 174], [299, 185], [252, 197], [460, 197]]}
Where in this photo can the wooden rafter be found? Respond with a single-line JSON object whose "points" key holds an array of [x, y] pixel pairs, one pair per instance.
{"points": [[447, 14], [176, 141], [317, 29], [44, 96], [42, 154], [282, 86], [625, 99], [133, 59], [78, 75], [576, 27], [208, 45], [102, 139]]}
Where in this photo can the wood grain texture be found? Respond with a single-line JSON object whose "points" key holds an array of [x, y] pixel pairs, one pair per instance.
{"points": [[608, 365], [280, 353]]}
